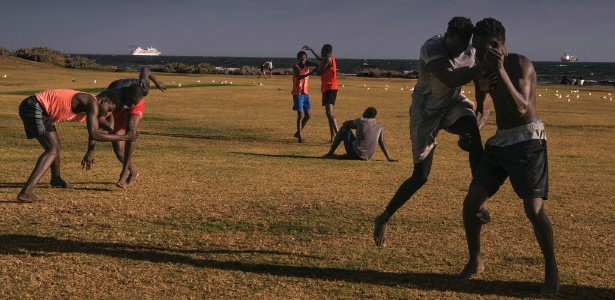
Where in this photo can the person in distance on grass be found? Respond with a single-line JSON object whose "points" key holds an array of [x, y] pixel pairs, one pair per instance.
{"points": [[446, 63], [131, 92], [517, 151], [327, 70], [301, 99], [363, 146], [41, 111]]}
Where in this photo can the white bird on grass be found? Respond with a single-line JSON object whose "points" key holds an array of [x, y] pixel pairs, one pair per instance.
{"points": [[4, 76]]}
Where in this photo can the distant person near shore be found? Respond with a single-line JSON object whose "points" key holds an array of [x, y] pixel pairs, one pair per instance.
{"points": [[581, 81], [42, 111], [328, 77], [270, 67], [301, 99], [446, 63], [517, 151], [564, 80], [131, 92], [362, 147], [262, 73]]}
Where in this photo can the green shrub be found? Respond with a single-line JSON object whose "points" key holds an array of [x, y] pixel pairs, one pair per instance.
{"points": [[5, 52], [42, 54]]}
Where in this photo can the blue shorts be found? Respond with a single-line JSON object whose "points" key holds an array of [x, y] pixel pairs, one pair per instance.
{"points": [[301, 102]]}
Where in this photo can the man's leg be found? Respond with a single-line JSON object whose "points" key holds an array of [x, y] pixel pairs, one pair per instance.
{"points": [[405, 191], [332, 122], [339, 137], [466, 127], [534, 210], [302, 119], [129, 172], [471, 207], [51, 144], [56, 177]]}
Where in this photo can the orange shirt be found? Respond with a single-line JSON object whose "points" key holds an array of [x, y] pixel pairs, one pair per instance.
{"points": [[57, 104], [329, 77], [301, 86]]}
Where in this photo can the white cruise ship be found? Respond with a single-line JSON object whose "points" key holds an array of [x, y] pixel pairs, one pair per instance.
{"points": [[150, 51]]}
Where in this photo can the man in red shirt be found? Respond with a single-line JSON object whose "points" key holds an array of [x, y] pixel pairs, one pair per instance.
{"points": [[327, 70]]}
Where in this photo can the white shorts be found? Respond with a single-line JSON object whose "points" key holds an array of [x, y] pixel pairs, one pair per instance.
{"points": [[425, 123]]}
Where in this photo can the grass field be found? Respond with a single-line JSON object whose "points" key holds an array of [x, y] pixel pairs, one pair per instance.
{"points": [[229, 206]]}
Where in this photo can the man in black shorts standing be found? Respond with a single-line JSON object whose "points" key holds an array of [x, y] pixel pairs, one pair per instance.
{"points": [[517, 151], [327, 69]]}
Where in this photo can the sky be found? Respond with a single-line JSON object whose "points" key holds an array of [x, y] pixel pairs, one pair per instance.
{"points": [[386, 29]]}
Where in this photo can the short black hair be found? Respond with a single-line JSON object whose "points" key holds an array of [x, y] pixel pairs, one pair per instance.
{"points": [[490, 27], [461, 27], [301, 53], [133, 94], [370, 112], [327, 48], [110, 96]]}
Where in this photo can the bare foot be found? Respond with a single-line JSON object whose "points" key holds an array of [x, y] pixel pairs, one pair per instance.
{"points": [[552, 283], [328, 156], [29, 198], [132, 178], [61, 183], [380, 229], [473, 267], [483, 216]]}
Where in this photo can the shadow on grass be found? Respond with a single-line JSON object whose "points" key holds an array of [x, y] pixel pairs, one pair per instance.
{"points": [[277, 155], [17, 244]]}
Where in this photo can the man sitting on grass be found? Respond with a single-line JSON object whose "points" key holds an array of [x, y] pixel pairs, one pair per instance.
{"points": [[363, 146]]}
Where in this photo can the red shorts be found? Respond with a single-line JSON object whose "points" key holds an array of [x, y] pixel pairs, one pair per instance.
{"points": [[119, 117]]}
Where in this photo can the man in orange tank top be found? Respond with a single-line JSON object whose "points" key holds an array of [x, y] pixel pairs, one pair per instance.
{"points": [[40, 112], [301, 99], [328, 76]]}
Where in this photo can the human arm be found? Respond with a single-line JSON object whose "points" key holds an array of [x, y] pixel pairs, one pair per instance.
{"points": [[298, 74], [384, 148], [451, 77], [147, 73], [326, 63], [306, 47], [483, 84], [517, 94], [105, 123], [92, 115]]}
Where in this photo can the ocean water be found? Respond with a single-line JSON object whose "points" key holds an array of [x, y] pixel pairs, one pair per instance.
{"points": [[548, 72]]}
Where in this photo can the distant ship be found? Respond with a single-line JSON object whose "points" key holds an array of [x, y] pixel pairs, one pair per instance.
{"points": [[570, 58], [150, 51]]}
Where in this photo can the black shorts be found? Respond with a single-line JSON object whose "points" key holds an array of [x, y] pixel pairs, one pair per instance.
{"points": [[524, 162], [35, 119], [329, 97]]}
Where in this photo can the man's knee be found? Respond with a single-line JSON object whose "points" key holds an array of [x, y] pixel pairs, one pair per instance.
{"points": [[533, 208]]}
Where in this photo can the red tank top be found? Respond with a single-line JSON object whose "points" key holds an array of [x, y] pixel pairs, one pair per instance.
{"points": [[58, 105], [301, 86], [329, 77]]}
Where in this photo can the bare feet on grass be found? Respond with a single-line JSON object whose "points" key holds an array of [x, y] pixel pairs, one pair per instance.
{"points": [[552, 283], [132, 178], [60, 183], [29, 198], [126, 181], [473, 267], [380, 229]]}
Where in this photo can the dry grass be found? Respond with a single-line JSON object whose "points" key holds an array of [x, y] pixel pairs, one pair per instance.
{"points": [[228, 205]]}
